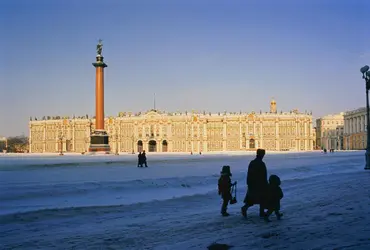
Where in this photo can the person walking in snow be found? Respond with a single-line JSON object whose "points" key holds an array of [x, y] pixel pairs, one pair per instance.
{"points": [[274, 195], [140, 160], [143, 155], [257, 184], [224, 188]]}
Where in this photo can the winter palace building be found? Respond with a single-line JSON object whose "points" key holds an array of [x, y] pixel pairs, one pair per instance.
{"points": [[156, 131]]}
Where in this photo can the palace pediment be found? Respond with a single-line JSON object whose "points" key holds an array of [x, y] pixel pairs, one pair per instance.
{"points": [[153, 114]]}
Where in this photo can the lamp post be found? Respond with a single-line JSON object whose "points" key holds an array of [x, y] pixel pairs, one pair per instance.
{"points": [[366, 75]]}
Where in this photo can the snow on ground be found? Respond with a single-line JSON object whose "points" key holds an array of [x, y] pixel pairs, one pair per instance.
{"points": [[111, 204]]}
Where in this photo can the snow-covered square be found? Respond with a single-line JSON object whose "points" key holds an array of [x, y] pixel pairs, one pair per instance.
{"points": [[107, 202]]}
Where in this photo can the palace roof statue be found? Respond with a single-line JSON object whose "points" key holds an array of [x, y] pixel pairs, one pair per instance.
{"points": [[99, 47]]}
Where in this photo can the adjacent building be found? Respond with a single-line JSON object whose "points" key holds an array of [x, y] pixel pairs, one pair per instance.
{"points": [[355, 129], [314, 138], [156, 131], [3, 144], [330, 131]]}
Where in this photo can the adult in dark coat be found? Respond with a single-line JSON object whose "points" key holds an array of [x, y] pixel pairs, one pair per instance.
{"points": [[143, 155], [257, 184], [140, 160]]}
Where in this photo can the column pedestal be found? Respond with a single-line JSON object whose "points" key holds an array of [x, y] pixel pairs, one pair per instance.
{"points": [[99, 141]]}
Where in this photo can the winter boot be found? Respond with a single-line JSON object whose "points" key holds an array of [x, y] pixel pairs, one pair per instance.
{"points": [[244, 211], [262, 214], [279, 215], [266, 218]]}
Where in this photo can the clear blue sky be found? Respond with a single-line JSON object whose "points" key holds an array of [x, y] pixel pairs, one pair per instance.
{"points": [[202, 55]]}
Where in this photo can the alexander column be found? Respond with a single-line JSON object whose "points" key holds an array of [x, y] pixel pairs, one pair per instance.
{"points": [[99, 138]]}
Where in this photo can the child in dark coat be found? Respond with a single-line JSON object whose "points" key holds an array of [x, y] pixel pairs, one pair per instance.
{"points": [[274, 195], [224, 188]]}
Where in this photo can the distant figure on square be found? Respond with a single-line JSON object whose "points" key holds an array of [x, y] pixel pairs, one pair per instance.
{"points": [[274, 195], [224, 188], [142, 159], [139, 160], [143, 155], [257, 184]]}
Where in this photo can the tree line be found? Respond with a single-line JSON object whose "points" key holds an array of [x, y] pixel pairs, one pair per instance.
{"points": [[15, 144]]}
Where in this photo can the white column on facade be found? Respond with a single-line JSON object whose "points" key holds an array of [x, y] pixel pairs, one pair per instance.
{"points": [[306, 135], [159, 146], [44, 138], [29, 139], [344, 126], [169, 135], [297, 132], [73, 136], [120, 137], [358, 124], [277, 136], [247, 136], [353, 121], [240, 135], [192, 137], [365, 122], [224, 137], [64, 144], [205, 138], [362, 123], [261, 135], [347, 125], [186, 137]]}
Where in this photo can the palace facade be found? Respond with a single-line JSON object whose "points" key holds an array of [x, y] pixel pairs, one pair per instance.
{"points": [[329, 131], [156, 131], [355, 136]]}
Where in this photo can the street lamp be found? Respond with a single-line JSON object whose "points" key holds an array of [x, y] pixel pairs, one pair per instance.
{"points": [[366, 75]]}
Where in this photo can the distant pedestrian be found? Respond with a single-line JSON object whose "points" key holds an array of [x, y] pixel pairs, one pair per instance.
{"points": [[140, 160], [143, 155], [274, 195], [224, 188]]}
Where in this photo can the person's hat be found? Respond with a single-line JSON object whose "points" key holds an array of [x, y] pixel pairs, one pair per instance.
{"points": [[226, 170], [261, 152], [274, 180]]}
